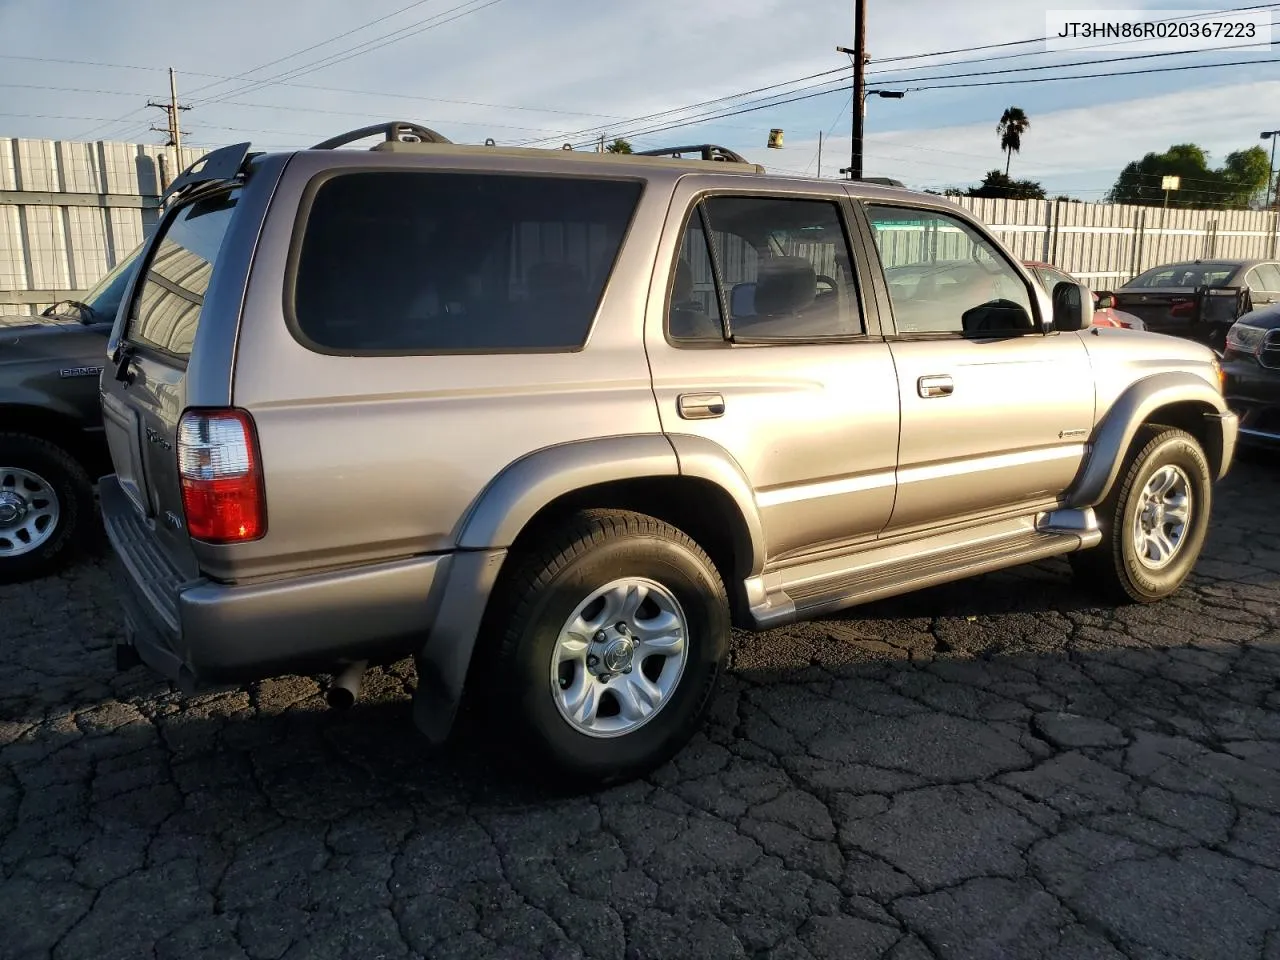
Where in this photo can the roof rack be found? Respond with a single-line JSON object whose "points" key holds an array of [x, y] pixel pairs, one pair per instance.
{"points": [[707, 151], [401, 131], [882, 181]]}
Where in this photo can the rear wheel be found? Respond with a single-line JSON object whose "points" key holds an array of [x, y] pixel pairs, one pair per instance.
{"points": [[45, 501], [1155, 520], [613, 637]]}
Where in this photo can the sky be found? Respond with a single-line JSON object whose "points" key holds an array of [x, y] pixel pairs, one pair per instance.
{"points": [[555, 71]]}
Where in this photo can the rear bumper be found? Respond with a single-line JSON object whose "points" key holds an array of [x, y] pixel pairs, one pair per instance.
{"points": [[197, 631]]}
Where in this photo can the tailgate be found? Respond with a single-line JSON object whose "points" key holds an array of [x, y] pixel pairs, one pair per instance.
{"points": [[1168, 310], [145, 390]]}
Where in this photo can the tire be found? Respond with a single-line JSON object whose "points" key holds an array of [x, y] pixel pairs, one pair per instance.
{"points": [[30, 470], [1117, 567], [531, 706]]}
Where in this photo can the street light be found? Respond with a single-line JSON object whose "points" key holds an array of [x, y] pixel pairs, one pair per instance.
{"points": [[1270, 135]]}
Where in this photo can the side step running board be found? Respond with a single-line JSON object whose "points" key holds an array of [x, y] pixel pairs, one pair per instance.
{"points": [[810, 590]]}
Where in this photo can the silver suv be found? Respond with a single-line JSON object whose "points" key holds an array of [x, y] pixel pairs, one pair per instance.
{"points": [[553, 422]]}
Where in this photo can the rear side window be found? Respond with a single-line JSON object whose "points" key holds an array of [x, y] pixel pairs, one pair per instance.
{"points": [[167, 308], [433, 262]]}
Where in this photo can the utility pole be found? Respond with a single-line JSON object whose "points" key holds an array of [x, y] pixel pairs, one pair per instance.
{"points": [[174, 129], [1271, 135], [858, 106], [819, 154]]}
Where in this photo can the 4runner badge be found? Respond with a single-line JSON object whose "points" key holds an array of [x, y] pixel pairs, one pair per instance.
{"points": [[79, 371]]}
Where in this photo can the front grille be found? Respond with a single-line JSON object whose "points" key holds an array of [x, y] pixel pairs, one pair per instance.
{"points": [[1269, 355]]}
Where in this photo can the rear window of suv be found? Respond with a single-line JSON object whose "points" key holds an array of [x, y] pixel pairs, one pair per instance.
{"points": [[167, 308], [440, 262]]}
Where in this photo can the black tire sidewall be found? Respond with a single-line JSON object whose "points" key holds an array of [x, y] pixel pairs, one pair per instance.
{"points": [[1182, 452], [701, 596], [75, 502]]}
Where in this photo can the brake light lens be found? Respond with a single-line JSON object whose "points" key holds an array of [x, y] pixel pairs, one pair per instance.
{"points": [[221, 476], [1180, 307]]}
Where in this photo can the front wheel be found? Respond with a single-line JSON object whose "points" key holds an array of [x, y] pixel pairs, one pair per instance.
{"points": [[615, 636], [46, 501], [1155, 520]]}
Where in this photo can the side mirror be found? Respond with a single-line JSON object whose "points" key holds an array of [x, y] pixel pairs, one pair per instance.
{"points": [[1104, 300], [1072, 307]]}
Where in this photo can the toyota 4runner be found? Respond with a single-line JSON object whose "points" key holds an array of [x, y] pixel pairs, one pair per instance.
{"points": [[552, 422]]}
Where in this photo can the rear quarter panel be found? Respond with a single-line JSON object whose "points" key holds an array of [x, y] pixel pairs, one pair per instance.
{"points": [[371, 458]]}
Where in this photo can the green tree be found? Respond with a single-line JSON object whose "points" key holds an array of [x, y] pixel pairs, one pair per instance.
{"points": [[1235, 185], [1245, 173], [618, 146], [1013, 124], [997, 184]]}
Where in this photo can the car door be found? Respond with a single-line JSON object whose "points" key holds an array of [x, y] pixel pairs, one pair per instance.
{"points": [[759, 344], [995, 413]]}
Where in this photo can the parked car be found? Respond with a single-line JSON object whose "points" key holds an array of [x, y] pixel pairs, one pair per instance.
{"points": [[52, 447], [489, 407], [1104, 312], [1200, 299], [1251, 363]]}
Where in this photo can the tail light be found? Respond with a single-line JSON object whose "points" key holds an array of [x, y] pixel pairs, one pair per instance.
{"points": [[1181, 307], [221, 475]]}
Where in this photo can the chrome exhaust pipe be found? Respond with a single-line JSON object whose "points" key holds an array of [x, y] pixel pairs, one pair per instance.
{"points": [[345, 689]]}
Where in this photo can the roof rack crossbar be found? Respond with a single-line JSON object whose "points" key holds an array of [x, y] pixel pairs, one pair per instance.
{"points": [[707, 151], [395, 130]]}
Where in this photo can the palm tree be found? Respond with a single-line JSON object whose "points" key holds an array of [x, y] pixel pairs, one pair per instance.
{"points": [[1013, 124]]}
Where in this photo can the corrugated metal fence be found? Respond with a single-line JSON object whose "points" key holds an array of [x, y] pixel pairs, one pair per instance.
{"points": [[1106, 245], [70, 211]]}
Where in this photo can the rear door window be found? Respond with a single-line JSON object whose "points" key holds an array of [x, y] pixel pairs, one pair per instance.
{"points": [[433, 262], [166, 310]]}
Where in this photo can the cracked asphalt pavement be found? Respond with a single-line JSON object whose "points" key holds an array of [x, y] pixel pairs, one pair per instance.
{"points": [[996, 769]]}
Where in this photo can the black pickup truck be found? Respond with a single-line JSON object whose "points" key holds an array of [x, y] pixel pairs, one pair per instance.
{"points": [[52, 445]]}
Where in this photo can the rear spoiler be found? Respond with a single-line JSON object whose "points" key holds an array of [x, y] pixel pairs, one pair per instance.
{"points": [[219, 166]]}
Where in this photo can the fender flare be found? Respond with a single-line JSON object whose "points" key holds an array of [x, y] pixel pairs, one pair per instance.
{"points": [[514, 496], [1117, 428], [494, 521]]}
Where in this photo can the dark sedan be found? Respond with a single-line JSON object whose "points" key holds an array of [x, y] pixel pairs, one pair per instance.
{"points": [[1200, 299], [1251, 364]]}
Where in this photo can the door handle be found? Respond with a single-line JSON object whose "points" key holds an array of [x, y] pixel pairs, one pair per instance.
{"points": [[700, 406], [940, 385]]}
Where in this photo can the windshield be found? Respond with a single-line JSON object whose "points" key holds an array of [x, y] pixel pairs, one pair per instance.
{"points": [[103, 298], [1186, 275]]}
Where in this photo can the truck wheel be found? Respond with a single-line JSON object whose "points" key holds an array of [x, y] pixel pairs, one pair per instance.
{"points": [[1154, 521], [613, 636], [45, 501]]}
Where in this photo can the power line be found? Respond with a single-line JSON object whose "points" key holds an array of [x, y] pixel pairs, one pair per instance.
{"points": [[847, 71], [589, 131], [1063, 66], [946, 86], [368, 46], [1091, 76], [1022, 43], [314, 46]]}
